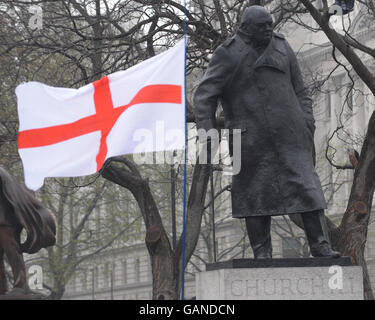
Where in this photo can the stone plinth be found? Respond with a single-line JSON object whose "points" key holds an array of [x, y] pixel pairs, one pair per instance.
{"points": [[281, 279]]}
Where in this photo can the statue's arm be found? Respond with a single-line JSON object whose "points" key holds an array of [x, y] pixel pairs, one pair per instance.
{"points": [[300, 89], [211, 88]]}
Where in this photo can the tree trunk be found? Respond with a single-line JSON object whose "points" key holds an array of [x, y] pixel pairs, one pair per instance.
{"points": [[354, 225], [166, 264], [352, 234], [57, 292], [195, 208], [164, 273], [164, 269], [350, 237]]}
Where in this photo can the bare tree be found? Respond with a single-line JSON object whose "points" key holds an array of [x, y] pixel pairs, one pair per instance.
{"points": [[350, 236], [88, 39]]}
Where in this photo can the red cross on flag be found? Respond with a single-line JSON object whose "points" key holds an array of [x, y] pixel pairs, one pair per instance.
{"points": [[71, 132]]}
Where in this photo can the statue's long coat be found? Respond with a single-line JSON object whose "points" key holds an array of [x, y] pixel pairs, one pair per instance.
{"points": [[265, 97]]}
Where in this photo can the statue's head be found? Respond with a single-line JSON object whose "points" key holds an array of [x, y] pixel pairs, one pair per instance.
{"points": [[257, 23]]}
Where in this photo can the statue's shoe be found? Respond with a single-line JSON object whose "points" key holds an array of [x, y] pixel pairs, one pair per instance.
{"points": [[324, 250], [263, 256]]}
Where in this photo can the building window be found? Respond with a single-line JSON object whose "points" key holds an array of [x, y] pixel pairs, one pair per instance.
{"points": [[96, 277], [124, 272], [113, 275], [291, 248], [84, 280], [106, 275], [221, 244], [137, 270], [73, 283], [98, 223]]}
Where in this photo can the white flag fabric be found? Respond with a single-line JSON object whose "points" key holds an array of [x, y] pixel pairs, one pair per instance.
{"points": [[67, 132]]}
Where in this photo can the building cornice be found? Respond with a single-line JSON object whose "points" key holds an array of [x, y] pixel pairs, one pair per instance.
{"points": [[326, 47]]}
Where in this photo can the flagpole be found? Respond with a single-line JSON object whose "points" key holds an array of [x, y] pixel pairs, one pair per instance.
{"points": [[212, 209], [184, 208], [173, 202]]}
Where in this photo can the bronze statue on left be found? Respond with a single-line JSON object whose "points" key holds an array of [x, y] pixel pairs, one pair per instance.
{"points": [[19, 210]]}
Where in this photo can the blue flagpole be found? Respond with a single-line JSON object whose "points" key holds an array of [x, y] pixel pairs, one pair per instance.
{"points": [[184, 208]]}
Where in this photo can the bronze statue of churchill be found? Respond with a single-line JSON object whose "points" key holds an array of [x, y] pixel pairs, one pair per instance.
{"points": [[256, 76]]}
